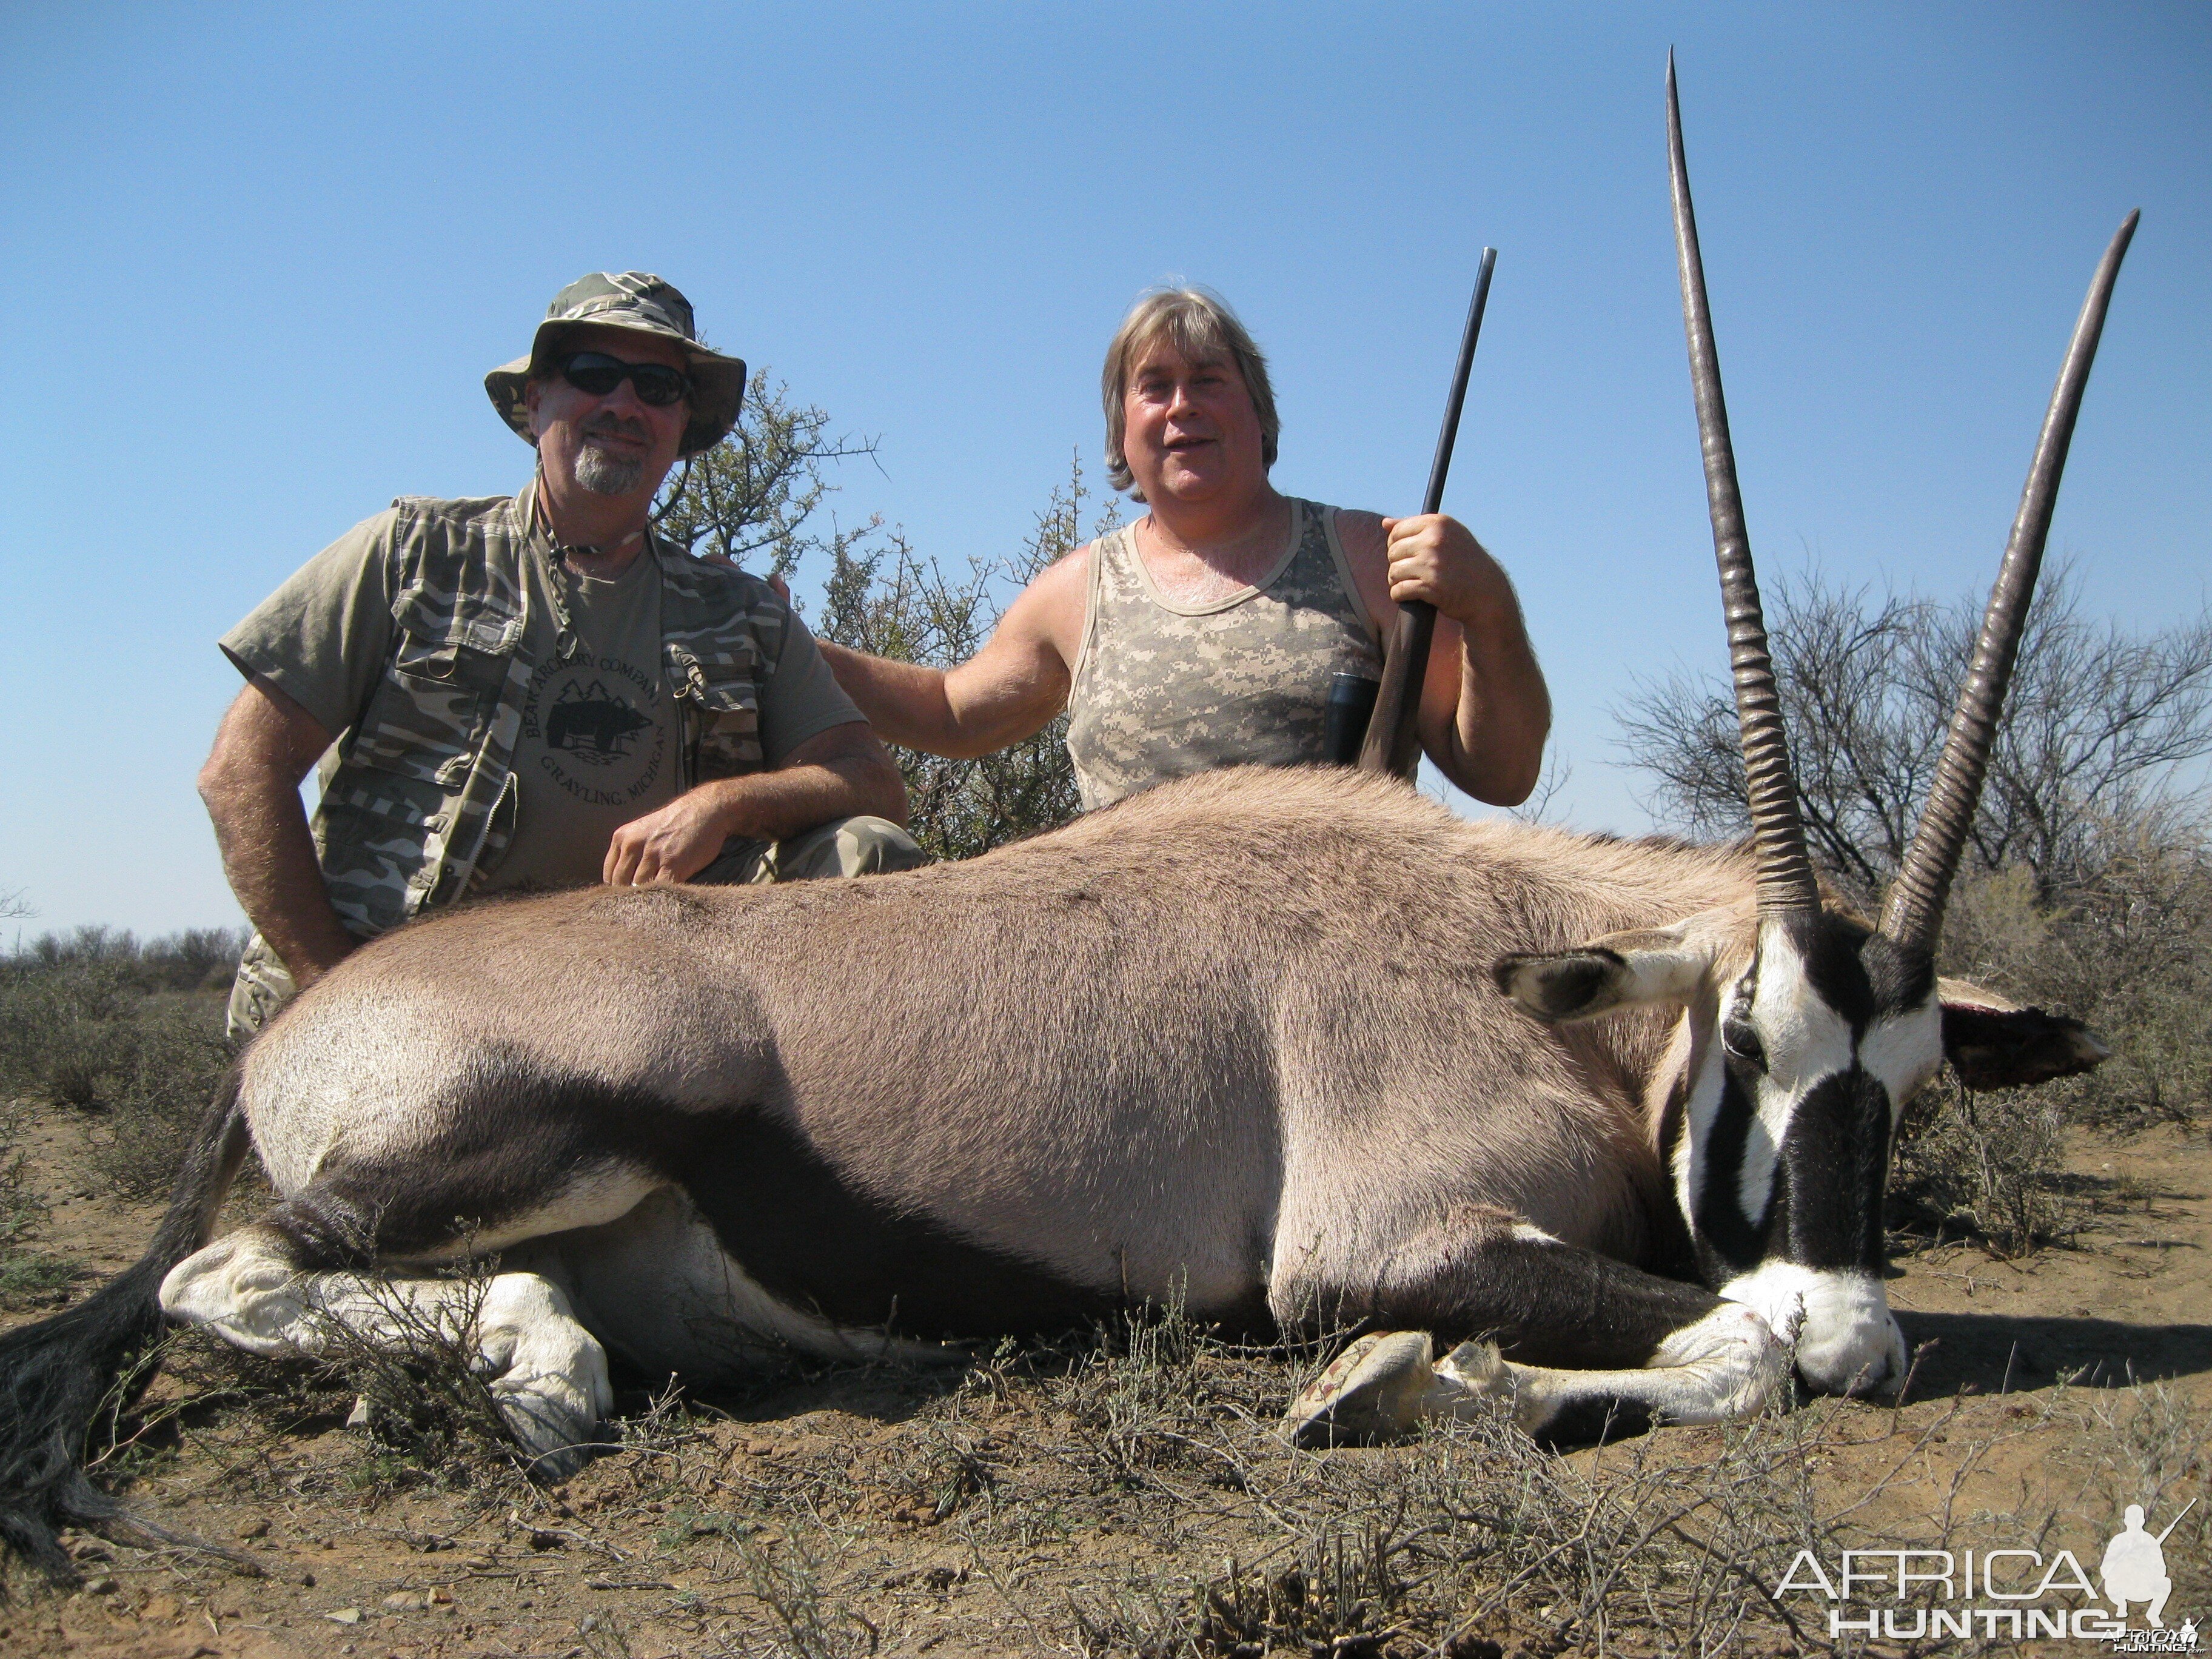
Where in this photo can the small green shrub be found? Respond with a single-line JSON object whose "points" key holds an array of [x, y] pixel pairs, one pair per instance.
{"points": [[82, 1034], [31, 1279], [2126, 945], [1986, 1165], [2127, 948], [58, 1026], [169, 1059], [196, 959], [28, 1278], [20, 1206]]}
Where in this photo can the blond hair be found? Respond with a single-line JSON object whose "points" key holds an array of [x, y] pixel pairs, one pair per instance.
{"points": [[1199, 327]]}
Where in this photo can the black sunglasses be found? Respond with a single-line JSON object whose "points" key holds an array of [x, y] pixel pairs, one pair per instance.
{"points": [[594, 372]]}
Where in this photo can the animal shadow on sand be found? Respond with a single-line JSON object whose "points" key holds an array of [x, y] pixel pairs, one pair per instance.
{"points": [[783, 1386], [1990, 1353]]}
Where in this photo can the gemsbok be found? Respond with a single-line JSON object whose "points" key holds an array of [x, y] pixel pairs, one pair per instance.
{"points": [[1238, 1042]]}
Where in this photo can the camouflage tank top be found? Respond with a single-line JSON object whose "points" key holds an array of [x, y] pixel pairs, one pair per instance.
{"points": [[1162, 690]]}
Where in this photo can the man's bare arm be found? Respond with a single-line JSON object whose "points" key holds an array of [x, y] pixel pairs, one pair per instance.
{"points": [[1006, 692], [840, 773], [251, 783], [1486, 710]]}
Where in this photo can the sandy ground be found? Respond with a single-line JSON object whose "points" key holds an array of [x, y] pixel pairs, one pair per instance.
{"points": [[2013, 1411]]}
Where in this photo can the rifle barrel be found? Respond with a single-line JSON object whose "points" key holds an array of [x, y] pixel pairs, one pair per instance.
{"points": [[2177, 1520], [1394, 737]]}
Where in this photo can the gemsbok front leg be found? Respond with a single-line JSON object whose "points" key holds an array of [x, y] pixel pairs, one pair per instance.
{"points": [[1574, 1344]]}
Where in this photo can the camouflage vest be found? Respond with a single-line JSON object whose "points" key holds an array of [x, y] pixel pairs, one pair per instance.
{"points": [[420, 804], [1163, 690]]}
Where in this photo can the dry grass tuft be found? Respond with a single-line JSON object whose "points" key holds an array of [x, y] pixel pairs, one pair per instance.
{"points": [[431, 1418]]}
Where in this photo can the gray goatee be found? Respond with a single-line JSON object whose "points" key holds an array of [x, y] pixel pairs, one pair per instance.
{"points": [[606, 475], [603, 473]]}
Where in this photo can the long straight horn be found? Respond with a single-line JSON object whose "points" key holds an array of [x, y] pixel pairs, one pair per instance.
{"points": [[1913, 913], [1785, 872]]}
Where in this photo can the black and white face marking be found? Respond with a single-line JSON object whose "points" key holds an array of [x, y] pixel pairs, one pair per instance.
{"points": [[1815, 1048]]}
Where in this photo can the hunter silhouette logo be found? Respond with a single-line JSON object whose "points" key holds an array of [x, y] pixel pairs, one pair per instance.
{"points": [[593, 726], [2135, 1566], [2012, 1594]]}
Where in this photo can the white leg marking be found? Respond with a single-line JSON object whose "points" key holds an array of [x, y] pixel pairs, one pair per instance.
{"points": [[1725, 1366], [547, 1373]]}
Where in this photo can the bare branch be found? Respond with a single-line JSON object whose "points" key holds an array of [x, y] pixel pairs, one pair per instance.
{"points": [[756, 490], [883, 597], [2099, 725]]}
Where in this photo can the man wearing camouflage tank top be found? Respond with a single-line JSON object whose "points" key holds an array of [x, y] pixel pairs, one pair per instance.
{"points": [[1207, 633], [537, 689]]}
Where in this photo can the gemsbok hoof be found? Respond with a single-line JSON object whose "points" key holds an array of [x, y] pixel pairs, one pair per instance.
{"points": [[1377, 1388]]}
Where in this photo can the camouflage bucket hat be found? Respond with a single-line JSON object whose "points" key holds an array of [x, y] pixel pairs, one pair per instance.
{"points": [[642, 303]]}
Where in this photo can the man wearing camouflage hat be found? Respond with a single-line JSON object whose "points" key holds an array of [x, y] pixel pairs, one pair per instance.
{"points": [[537, 689]]}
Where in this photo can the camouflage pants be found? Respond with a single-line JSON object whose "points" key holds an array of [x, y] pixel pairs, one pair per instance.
{"points": [[842, 847]]}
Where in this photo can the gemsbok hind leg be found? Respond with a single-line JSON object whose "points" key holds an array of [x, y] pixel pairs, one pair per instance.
{"points": [[305, 1281], [1574, 1345]]}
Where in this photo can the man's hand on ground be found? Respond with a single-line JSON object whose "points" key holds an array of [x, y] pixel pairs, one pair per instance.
{"points": [[673, 844]]}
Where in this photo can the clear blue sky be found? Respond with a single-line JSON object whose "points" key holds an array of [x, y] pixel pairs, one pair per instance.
{"points": [[262, 257]]}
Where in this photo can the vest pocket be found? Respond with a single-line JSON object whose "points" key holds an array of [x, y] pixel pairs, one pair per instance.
{"points": [[421, 721], [729, 743], [388, 815], [381, 836], [724, 708], [425, 720]]}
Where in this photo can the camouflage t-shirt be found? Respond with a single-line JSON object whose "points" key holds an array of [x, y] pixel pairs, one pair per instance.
{"points": [[598, 740], [1163, 690]]}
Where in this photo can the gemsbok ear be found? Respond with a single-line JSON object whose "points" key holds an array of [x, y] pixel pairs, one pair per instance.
{"points": [[1617, 971], [1573, 985], [1993, 1043]]}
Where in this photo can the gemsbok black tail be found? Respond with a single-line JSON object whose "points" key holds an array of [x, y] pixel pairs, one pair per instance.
{"points": [[55, 1374]]}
